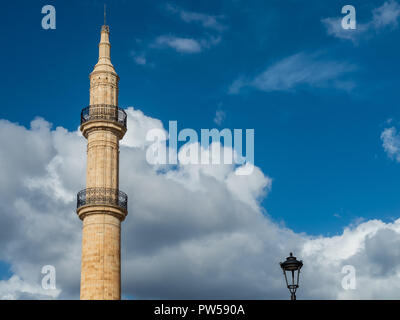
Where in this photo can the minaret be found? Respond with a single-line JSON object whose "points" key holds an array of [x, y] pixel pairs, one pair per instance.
{"points": [[101, 206]]}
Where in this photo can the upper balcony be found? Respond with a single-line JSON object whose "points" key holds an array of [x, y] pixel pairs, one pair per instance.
{"points": [[105, 112]]}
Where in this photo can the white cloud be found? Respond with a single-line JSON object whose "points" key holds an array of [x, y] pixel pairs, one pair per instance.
{"points": [[363, 247], [206, 20], [192, 231], [334, 28], [15, 288], [385, 16], [185, 45], [237, 85], [391, 143], [191, 44], [296, 70], [220, 116], [41, 169], [139, 58], [138, 126]]}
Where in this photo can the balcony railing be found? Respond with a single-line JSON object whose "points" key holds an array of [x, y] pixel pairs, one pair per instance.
{"points": [[102, 196], [103, 112]]}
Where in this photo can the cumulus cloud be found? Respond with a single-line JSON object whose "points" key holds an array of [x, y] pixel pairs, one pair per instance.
{"points": [[192, 231], [139, 125], [17, 289], [300, 69], [385, 16], [391, 143], [41, 170]]}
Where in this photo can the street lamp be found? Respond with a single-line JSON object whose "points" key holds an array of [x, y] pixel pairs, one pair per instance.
{"points": [[290, 266]]}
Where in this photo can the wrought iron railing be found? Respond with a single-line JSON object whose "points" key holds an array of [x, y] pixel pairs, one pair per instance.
{"points": [[102, 196], [103, 112]]}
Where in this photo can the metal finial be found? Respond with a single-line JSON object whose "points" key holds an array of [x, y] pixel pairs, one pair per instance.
{"points": [[104, 14]]}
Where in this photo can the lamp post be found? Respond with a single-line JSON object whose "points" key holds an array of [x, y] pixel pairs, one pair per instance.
{"points": [[290, 267]]}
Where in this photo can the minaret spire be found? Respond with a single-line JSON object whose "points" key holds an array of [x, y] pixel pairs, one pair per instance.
{"points": [[104, 63], [104, 14]]}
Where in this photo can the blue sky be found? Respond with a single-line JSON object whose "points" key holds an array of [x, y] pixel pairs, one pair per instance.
{"points": [[318, 139]]}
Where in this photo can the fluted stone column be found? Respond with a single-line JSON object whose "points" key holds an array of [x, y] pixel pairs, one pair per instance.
{"points": [[101, 206]]}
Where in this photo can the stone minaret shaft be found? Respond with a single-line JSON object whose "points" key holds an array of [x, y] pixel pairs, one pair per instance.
{"points": [[101, 206]]}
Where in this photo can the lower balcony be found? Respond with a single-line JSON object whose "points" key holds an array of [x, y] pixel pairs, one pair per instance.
{"points": [[102, 196]]}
